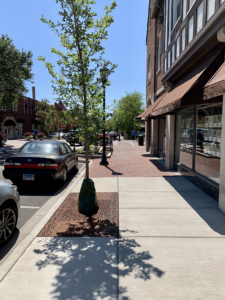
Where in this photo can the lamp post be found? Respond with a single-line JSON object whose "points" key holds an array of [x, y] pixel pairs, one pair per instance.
{"points": [[104, 78]]}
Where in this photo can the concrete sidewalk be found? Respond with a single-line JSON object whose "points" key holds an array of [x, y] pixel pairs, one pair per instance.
{"points": [[171, 247]]}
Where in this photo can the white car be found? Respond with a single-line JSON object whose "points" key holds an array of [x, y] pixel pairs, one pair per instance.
{"points": [[9, 210]]}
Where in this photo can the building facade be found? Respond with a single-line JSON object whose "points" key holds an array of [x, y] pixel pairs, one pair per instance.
{"points": [[184, 118]]}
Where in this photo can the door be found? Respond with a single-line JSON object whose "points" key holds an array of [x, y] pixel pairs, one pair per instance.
{"points": [[72, 156], [66, 156], [20, 129]]}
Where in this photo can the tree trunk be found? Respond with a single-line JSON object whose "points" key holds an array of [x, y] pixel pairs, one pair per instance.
{"points": [[86, 155]]}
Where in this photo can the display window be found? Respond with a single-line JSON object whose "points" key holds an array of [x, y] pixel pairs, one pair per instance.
{"points": [[184, 137], [208, 132]]}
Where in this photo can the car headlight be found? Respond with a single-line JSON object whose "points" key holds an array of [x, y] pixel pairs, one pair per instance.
{"points": [[14, 187]]}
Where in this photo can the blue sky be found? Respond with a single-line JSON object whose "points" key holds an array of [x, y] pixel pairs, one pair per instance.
{"points": [[126, 44]]}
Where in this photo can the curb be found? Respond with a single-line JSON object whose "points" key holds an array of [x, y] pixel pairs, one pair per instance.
{"points": [[38, 220]]}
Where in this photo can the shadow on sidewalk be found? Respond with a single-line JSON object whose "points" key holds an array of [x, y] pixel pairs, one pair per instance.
{"points": [[87, 268], [209, 212], [113, 172]]}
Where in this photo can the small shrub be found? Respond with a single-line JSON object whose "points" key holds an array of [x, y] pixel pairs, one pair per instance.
{"points": [[40, 135]]}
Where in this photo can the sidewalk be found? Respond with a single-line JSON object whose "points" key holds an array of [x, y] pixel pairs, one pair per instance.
{"points": [[171, 246]]}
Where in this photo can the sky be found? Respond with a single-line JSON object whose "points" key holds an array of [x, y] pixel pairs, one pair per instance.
{"points": [[126, 44]]}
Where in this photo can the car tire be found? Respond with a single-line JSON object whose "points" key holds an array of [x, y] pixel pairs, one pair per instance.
{"points": [[8, 222], [64, 177]]}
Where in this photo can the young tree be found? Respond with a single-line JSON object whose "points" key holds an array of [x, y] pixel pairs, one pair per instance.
{"points": [[15, 69], [42, 109], [126, 110], [48, 122], [79, 81]]}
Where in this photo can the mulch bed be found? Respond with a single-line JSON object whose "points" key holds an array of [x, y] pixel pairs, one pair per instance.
{"points": [[68, 222]]}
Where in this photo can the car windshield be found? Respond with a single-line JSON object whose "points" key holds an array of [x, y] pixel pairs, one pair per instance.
{"points": [[39, 148]]}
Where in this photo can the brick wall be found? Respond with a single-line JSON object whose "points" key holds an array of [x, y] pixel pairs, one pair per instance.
{"points": [[155, 31]]}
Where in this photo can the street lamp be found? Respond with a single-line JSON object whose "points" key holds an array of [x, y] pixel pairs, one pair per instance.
{"points": [[104, 78]]}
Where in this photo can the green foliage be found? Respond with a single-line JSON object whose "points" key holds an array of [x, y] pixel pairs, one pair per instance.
{"points": [[15, 69], [79, 84], [43, 109], [125, 111], [48, 122]]}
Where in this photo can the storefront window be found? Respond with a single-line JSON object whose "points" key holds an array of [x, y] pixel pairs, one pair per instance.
{"points": [[208, 143], [162, 137], [184, 137]]}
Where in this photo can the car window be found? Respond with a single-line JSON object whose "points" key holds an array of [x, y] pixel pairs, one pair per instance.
{"points": [[63, 148], [39, 148], [68, 148]]}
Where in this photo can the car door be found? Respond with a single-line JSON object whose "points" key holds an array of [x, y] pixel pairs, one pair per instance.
{"points": [[66, 155], [72, 156]]}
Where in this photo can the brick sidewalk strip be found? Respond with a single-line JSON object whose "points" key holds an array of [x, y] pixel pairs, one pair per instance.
{"points": [[129, 161]]}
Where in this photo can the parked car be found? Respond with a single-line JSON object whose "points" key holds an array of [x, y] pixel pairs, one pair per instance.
{"points": [[46, 160], [55, 135], [73, 138], [9, 210]]}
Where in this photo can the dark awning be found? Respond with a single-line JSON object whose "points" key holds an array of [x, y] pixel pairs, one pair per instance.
{"points": [[216, 85], [175, 97], [36, 122], [21, 121], [9, 123]]}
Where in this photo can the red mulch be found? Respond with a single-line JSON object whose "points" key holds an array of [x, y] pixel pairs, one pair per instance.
{"points": [[68, 222]]}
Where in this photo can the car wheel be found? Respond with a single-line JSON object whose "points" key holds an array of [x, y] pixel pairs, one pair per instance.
{"points": [[64, 177], [8, 221]]}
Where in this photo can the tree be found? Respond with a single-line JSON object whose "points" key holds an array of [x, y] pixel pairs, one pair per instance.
{"points": [[48, 122], [44, 108], [15, 69], [126, 110], [79, 82]]}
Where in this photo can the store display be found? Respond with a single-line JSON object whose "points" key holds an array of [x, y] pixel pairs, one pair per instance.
{"points": [[219, 121], [209, 151], [210, 121], [214, 138], [214, 121], [210, 135], [218, 135], [213, 149], [218, 150], [206, 121]]}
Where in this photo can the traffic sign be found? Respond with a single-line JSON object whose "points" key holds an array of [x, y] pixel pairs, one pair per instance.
{"points": [[63, 126]]}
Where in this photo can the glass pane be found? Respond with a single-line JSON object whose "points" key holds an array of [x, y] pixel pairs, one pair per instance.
{"points": [[184, 8], [165, 65], [191, 3], [162, 137], [178, 47], [183, 39], [168, 59], [39, 148], [190, 29], [173, 53], [199, 17], [221, 1], [184, 137], [208, 141], [210, 8]]}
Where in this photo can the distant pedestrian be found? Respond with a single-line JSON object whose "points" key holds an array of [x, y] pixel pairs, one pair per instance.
{"points": [[119, 135], [133, 134], [125, 135], [35, 132], [1, 138]]}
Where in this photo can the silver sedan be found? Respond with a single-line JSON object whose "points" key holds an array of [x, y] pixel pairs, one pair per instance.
{"points": [[9, 210]]}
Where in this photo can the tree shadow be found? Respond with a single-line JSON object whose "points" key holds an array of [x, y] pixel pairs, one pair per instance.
{"points": [[88, 268]]}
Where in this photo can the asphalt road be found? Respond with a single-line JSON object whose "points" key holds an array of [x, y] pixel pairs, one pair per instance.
{"points": [[33, 196]]}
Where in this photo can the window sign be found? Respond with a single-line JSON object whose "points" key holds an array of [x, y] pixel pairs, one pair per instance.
{"points": [[200, 17]]}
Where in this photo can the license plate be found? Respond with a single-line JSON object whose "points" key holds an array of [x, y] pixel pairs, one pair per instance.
{"points": [[28, 177]]}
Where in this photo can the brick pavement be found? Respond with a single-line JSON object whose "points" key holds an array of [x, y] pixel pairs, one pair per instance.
{"points": [[129, 161]]}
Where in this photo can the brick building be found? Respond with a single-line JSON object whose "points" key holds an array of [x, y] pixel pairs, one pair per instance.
{"points": [[14, 121], [185, 90]]}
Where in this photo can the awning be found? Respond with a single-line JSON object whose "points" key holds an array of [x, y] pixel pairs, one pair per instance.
{"points": [[9, 123], [216, 85], [36, 122], [21, 121], [173, 98], [143, 115]]}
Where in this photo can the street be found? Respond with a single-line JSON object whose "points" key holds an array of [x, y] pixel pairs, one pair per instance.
{"points": [[32, 196]]}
